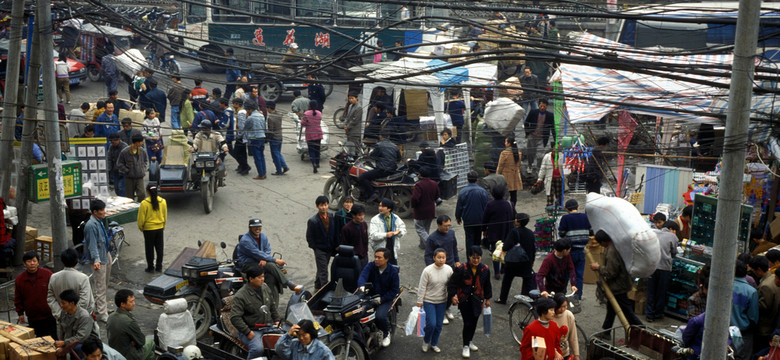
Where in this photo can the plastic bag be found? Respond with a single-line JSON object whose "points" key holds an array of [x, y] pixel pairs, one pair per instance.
{"points": [[498, 254], [411, 321], [421, 323], [487, 320]]}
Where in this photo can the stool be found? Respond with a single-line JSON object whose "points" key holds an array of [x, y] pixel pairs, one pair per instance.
{"points": [[43, 246]]}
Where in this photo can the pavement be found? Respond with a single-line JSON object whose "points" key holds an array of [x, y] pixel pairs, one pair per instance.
{"points": [[284, 203]]}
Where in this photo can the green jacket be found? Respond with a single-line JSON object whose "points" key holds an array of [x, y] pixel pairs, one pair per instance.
{"points": [[125, 335], [186, 114], [614, 272], [245, 311]]}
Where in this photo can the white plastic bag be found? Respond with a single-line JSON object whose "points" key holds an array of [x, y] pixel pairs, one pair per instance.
{"points": [[636, 242], [487, 320], [411, 321]]}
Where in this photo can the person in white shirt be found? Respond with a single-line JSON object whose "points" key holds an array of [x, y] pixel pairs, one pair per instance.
{"points": [[386, 230], [61, 70], [432, 297]]}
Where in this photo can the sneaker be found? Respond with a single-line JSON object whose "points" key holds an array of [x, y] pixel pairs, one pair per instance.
{"points": [[436, 349], [386, 341], [449, 315], [446, 321], [473, 347], [466, 352], [425, 347]]}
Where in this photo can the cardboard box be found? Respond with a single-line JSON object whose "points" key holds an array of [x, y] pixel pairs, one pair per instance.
{"points": [[35, 349], [19, 331], [30, 233], [589, 276], [774, 227]]}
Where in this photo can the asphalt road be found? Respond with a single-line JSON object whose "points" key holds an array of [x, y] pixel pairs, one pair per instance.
{"points": [[284, 203]]}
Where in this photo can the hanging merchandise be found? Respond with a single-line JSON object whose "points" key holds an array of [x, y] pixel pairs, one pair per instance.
{"points": [[577, 156], [543, 234]]}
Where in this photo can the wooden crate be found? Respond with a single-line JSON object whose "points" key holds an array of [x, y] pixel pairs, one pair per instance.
{"points": [[44, 248]]}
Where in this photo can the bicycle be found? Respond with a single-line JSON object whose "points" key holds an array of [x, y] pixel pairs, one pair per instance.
{"points": [[522, 312], [117, 235]]}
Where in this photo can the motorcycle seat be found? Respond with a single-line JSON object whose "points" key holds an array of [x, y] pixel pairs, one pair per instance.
{"points": [[393, 177], [346, 267]]}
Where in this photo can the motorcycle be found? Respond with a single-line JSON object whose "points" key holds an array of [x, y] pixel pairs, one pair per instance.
{"points": [[202, 281], [346, 169], [181, 171]]}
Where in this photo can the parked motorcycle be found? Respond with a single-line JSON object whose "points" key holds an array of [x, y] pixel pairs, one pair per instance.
{"points": [[346, 169], [202, 281], [167, 63]]}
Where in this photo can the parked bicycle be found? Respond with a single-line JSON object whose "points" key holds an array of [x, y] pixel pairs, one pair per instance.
{"points": [[522, 312], [116, 234]]}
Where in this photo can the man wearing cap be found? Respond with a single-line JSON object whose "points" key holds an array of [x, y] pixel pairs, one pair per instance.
{"points": [[492, 180], [127, 132], [255, 249], [290, 56], [132, 164], [208, 141], [112, 155], [353, 122]]}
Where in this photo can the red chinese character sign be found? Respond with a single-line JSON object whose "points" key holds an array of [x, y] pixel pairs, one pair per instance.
{"points": [[290, 38], [258, 40], [322, 39]]}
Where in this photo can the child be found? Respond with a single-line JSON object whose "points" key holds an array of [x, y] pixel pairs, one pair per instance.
{"points": [[543, 328], [575, 227], [659, 219], [152, 135]]}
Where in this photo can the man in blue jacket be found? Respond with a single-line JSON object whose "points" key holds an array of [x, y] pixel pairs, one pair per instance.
{"points": [[321, 236], [157, 99], [255, 249], [96, 238], [386, 283], [472, 201]]}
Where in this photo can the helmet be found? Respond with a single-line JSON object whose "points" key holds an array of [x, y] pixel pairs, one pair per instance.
{"points": [[253, 222], [192, 352], [205, 124]]}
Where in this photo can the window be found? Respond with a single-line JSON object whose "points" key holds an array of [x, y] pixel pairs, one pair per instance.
{"points": [[279, 8], [237, 16], [314, 8], [195, 13]]}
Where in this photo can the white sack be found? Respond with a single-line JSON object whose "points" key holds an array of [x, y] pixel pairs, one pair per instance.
{"points": [[174, 306], [176, 328], [636, 242], [504, 115]]}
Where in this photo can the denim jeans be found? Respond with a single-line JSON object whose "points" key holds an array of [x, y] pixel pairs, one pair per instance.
{"points": [[119, 183], [578, 258], [175, 119], [255, 345], [276, 155], [257, 148], [434, 318]]}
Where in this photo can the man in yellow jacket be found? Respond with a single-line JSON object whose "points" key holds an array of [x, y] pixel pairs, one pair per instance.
{"points": [[152, 216]]}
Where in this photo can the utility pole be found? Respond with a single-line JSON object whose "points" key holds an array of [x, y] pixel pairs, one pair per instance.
{"points": [[28, 129], [52, 129], [724, 251], [10, 101]]}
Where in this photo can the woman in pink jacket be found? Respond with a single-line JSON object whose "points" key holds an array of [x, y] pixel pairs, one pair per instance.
{"points": [[311, 123]]}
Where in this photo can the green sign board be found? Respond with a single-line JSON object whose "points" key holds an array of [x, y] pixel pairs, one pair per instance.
{"points": [[38, 181]]}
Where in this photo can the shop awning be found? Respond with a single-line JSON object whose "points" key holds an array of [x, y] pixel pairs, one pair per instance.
{"points": [[605, 90]]}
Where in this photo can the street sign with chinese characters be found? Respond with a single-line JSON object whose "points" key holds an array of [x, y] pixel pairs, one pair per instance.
{"points": [[39, 181]]}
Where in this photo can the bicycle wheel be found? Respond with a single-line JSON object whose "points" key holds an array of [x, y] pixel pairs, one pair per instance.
{"points": [[582, 339], [520, 315]]}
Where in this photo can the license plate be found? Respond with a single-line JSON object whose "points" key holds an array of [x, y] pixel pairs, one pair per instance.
{"points": [[182, 284]]}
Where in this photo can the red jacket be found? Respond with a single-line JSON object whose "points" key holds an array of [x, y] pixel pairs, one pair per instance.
{"points": [[552, 338], [30, 293], [424, 196]]}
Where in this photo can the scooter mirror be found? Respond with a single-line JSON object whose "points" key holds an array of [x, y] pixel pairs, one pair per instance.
{"points": [[223, 245], [341, 143], [200, 243]]}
